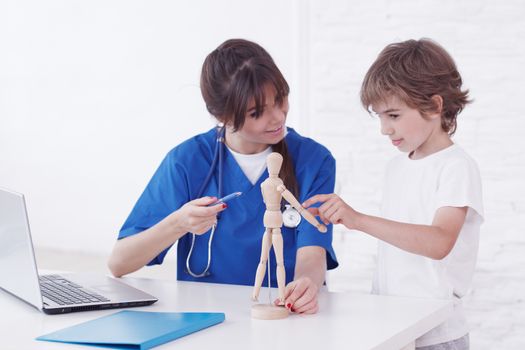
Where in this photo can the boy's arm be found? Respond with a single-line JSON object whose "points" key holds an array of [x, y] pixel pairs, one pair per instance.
{"points": [[303, 212], [433, 241]]}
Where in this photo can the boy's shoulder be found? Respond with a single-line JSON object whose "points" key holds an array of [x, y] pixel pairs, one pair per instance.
{"points": [[457, 155], [452, 157]]}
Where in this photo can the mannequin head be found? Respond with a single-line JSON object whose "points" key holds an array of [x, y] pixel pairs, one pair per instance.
{"points": [[274, 162]]}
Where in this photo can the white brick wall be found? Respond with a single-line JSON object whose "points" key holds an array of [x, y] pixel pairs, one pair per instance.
{"points": [[487, 40]]}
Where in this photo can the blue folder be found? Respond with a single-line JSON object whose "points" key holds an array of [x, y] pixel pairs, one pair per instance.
{"points": [[135, 329]]}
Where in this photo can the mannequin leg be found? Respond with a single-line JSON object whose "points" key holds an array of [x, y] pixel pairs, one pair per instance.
{"points": [[261, 269], [277, 240]]}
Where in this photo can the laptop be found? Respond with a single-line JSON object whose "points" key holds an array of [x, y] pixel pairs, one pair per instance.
{"points": [[53, 294]]}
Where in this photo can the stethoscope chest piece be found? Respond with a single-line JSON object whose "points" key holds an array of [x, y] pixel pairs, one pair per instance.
{"points": [[291, 217]]}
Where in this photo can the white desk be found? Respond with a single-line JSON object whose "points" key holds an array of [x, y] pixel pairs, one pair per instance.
{"points": [[345, 321]]}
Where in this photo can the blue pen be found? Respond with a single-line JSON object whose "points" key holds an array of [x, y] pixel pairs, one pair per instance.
{"points": [[227, 198]]}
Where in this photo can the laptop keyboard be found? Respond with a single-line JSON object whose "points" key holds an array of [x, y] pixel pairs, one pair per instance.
{"points": [[65, 292]]}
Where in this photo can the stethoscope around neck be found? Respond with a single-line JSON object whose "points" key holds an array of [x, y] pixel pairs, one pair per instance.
{"points": [[291, 217], [216, 163]]}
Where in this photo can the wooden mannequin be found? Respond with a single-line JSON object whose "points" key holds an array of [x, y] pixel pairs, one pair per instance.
{"points": [[273, 190]]}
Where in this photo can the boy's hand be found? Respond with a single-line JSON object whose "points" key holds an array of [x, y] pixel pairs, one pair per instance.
{"points": [[301, 296], [333, 210]]}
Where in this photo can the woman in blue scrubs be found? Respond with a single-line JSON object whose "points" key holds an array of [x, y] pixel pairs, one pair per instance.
{"points": [[245, 91]]}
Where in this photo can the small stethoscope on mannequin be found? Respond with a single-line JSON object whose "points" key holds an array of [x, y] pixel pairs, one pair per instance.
{"points": [[291, 217]]}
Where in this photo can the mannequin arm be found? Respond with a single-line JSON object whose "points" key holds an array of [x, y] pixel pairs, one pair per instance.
{"points": [[297, 206]]}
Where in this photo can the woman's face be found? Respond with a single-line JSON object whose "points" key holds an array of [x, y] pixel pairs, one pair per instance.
{"points": [[258, 133]]}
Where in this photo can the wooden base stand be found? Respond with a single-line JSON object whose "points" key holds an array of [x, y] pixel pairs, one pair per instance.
{"points": [[269, 312]]}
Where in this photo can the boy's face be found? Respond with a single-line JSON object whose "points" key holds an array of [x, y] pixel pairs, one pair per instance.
{"points": [[407, 129]]}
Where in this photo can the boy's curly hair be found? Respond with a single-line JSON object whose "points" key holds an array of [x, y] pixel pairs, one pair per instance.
{"points": [[414, 71]]}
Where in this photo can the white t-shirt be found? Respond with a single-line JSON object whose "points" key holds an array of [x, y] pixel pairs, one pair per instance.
{"points": [[413, 191], [252, 165]]}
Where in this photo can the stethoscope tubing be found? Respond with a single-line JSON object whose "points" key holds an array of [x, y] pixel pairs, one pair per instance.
{"points": [[217, 157]]}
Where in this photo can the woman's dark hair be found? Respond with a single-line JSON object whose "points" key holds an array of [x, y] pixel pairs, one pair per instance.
{"points": [[235, 73], [414, 71]]}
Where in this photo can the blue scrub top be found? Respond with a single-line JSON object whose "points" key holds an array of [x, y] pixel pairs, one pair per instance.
{"points": [[236, 247]]}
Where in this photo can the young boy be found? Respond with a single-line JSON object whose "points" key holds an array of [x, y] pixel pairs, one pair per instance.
{"points": [[432, 207]]}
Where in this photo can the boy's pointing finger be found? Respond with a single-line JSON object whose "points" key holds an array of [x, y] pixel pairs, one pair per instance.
{"points": [[317, 198]]}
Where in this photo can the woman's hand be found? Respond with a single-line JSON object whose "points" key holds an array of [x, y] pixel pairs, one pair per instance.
{"points": [[333, 210], [301, 296], [197, 216], [133, 252]]}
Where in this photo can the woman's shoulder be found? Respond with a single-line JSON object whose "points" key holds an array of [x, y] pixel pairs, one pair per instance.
{"points": [[194, 145], [303, 146]]}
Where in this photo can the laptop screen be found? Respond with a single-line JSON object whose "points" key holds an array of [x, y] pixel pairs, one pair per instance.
{"points": [[18, 271]]}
